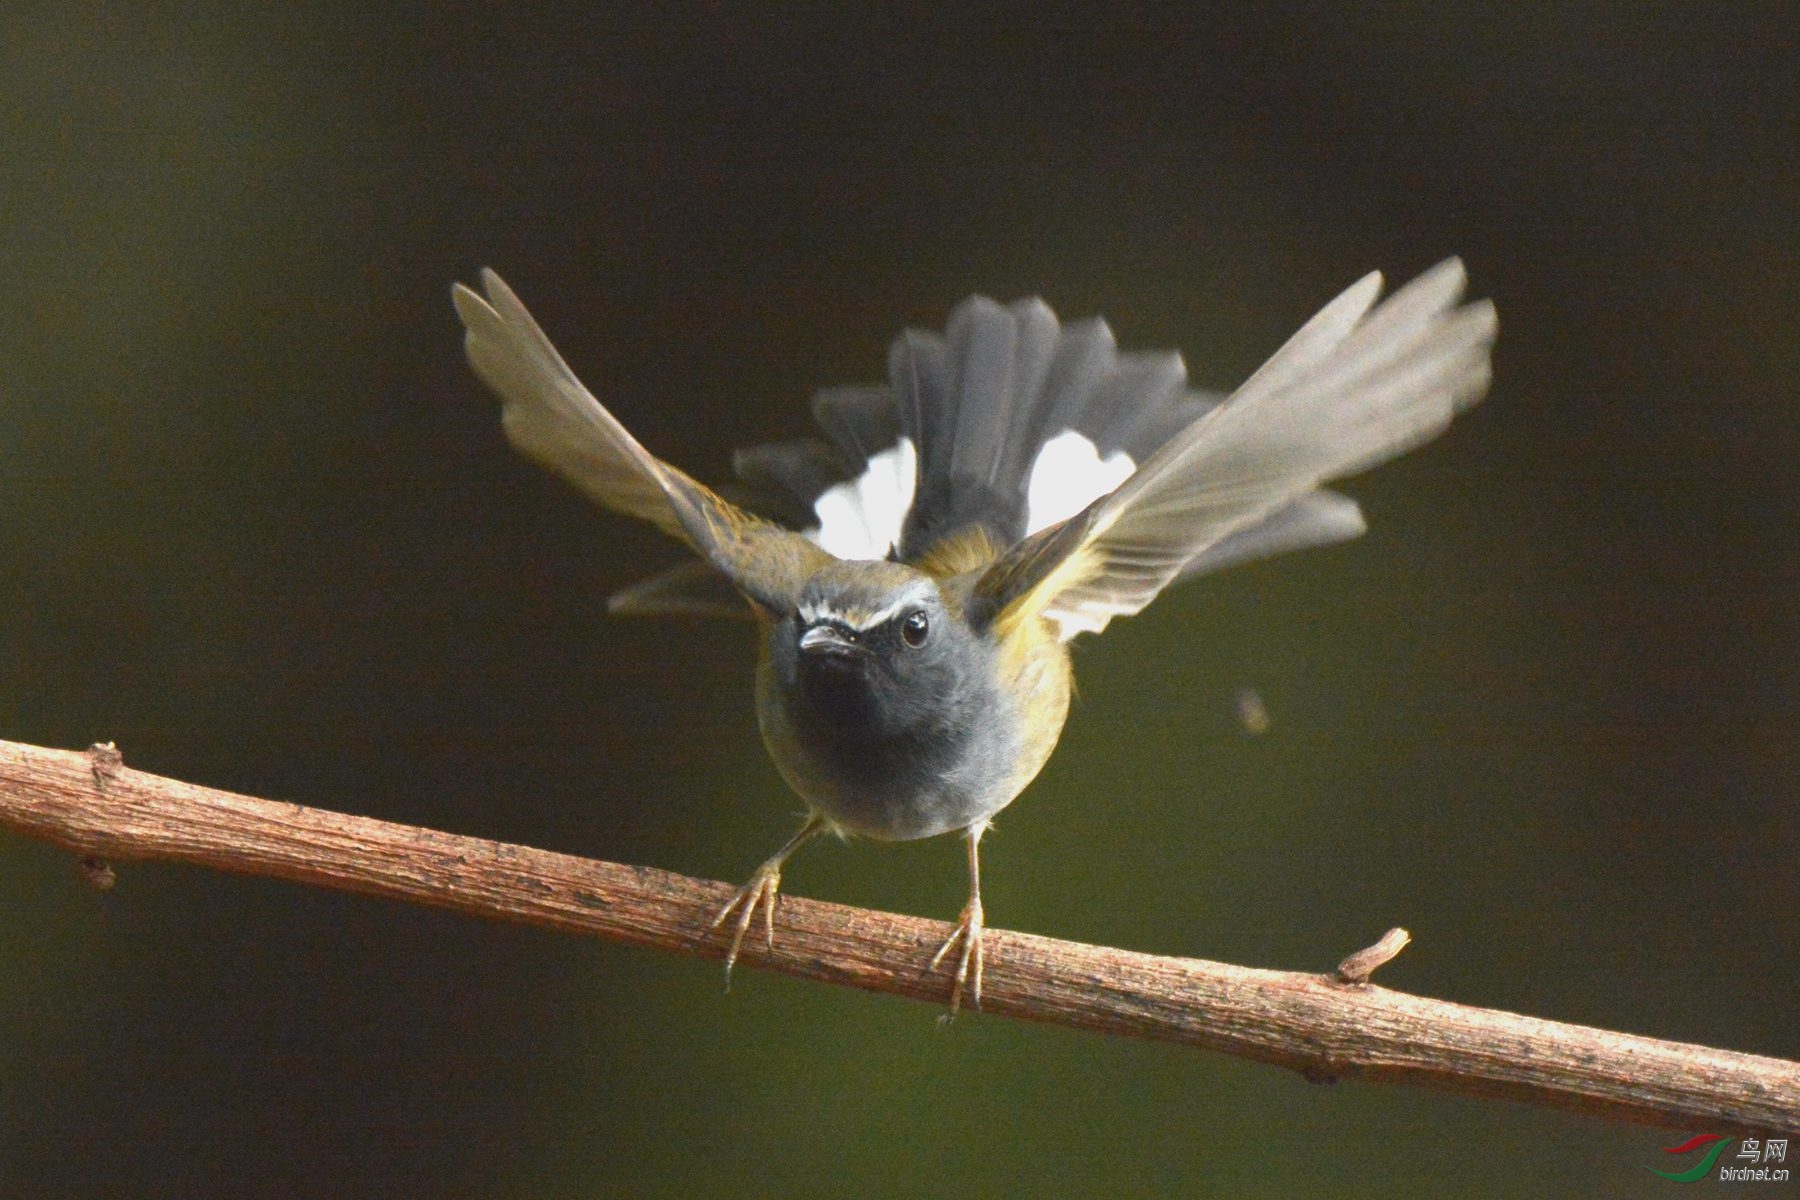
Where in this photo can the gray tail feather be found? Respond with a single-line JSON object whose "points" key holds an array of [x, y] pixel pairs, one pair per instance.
{"points": [[861, 421], [784, 478], [981, 401]]}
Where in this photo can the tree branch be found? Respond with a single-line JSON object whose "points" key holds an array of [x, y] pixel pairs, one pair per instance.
{"points": [[1326, 1026]]}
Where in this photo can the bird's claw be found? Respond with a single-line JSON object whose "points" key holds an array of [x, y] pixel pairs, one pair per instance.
{"points": [[968, 963], [760, 892]]}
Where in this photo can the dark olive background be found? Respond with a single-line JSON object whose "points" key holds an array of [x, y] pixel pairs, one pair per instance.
{"points": [[259, 526]]}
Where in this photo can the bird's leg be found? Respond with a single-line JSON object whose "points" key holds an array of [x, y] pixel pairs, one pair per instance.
{"points": [[968, 932], [761, 891]]}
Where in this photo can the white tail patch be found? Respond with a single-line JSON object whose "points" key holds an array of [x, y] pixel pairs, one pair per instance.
{"points": [[862, 517], [1069, 475]]}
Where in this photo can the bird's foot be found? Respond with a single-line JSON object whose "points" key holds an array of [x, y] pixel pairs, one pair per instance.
{"points": [[760, 892], [968, 963]]}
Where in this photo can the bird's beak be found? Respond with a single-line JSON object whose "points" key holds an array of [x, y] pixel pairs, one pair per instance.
{"points": [[828, 639]]}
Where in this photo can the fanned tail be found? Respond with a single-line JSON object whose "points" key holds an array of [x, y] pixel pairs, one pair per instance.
{"points": [[1009, 421]]}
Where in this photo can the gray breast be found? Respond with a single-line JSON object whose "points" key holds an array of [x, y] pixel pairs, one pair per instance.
{"points": [[948, 765]]}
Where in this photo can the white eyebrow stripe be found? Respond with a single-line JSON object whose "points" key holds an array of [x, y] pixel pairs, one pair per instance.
{"points": [[812, 614], [887, 613]]}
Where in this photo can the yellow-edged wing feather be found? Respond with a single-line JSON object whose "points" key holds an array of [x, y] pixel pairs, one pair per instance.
{"points": [[1357, 385], [553, 419]]}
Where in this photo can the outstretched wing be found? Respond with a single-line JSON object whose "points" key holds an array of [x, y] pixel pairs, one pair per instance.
{"points": [[1356, 386], [552, 418]]}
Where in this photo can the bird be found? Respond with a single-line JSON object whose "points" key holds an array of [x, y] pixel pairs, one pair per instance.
{"points": [[916, 574]]}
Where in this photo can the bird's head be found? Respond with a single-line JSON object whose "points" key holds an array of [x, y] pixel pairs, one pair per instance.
{"points": [[875, 644]]}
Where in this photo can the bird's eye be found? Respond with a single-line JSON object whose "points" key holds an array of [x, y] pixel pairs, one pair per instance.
{"points": [[915, 629]]}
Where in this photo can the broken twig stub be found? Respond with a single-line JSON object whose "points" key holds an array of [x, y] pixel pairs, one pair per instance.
{"points": [[1365, 962]]}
